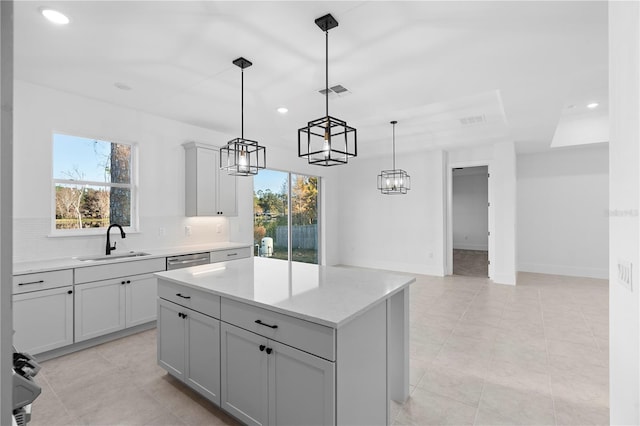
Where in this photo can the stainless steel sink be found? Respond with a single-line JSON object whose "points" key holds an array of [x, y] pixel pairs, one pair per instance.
{"points": [[112, 256]]}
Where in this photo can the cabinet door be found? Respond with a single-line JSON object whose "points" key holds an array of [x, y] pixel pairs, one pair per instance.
{"points": [[301, 387], [141, 299], [43, 320], [206, 173], [99, 308], [203, 355], [244, 375], [226, 194], [171, 338]]}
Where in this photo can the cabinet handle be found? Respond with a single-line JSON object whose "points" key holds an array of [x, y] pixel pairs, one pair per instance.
{"points": [[70, 292], [262, 348], [122, 283], [232, 254], [32, 282], [128, 282], [184, 297], [266, 325], [269, 350], [181, 315]]}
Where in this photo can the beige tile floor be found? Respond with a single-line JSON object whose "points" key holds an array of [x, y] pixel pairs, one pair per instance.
{"points": [[481, 353]]}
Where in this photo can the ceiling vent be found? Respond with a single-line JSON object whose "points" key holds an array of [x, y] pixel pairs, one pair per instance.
{"points": [[473, 119], [335, 91]]}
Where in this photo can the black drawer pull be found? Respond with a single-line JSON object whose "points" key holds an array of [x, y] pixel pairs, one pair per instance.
{"points": [[232, 254], [269, 350], [184, 297], [70, 292], [32, 282], [266, 325], [262, 348]]}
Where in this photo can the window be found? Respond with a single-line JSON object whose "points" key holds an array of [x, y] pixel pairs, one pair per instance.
{"points": [[93, 184], [286, 216]]}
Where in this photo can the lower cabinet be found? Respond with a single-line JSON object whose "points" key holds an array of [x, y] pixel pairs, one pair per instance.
{"points": [[103, 307], [43, 320], [189, 347], [266, 382]]}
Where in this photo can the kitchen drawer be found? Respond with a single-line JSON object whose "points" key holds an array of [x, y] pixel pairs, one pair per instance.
{"points": [[230, 254], [201, 301], [119, 269], [307, 336], [42, 281]]}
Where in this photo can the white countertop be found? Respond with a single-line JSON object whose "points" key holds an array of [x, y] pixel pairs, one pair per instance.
{"points": [[326, 295], [72, 262]]}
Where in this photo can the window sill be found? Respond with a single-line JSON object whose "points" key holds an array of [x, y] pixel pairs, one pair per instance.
{"points": [[100, 233]]}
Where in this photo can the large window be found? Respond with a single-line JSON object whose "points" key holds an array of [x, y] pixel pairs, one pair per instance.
{"points": [[286, 216], [92, 183]]}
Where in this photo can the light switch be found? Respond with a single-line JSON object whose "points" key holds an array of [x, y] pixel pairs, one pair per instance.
{"points": [[625, 274]]}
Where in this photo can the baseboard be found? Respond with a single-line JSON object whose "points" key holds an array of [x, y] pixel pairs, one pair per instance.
{"points": [[479, 247], [399, 267], [66, 350], [571, 271]]}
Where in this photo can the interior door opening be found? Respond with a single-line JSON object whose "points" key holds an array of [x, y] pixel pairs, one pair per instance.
{"points": [[470, 221]]}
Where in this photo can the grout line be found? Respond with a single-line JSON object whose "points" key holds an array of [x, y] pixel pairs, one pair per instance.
{"points": [[546, 348]]}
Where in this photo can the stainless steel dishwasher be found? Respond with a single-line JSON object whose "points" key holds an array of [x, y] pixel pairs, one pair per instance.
{"points": [[186, 260]]}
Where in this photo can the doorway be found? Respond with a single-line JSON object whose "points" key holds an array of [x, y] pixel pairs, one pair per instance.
{"points": [[470, 221]]}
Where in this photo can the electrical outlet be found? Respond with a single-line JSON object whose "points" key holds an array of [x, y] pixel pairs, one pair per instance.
{"points": [[625, 274], [161, 232], [219, 228], [187, 231]]}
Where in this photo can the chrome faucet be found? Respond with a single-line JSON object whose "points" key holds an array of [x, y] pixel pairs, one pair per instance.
{"points": [[122, 234]]}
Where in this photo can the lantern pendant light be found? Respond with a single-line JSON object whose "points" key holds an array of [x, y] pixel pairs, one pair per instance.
{"points": [[394, 181], [240, 156], [327, 141]]}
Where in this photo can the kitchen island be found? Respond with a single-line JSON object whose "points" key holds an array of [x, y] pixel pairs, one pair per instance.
{"points": [[273, 342]]}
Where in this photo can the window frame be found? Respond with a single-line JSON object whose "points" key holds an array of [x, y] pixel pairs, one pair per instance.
{"points": [[319, 212], [132, 186]]}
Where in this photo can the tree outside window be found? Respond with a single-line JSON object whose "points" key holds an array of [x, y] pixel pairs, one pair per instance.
{"points": [[92, 181]]}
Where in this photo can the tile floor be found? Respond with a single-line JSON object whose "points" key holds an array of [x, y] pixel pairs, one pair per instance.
{"points": [[471, 263], [481, 353]]}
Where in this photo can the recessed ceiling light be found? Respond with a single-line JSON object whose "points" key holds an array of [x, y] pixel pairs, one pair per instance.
{"points": [[55, 16], [122, 86], [593, 105], [283, 110]]}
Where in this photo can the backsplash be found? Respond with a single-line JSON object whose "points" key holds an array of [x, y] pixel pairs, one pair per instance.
{"points": [[31, 240]]}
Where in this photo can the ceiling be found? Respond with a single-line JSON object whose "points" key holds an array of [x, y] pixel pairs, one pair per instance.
{"points": [[454, 74]]}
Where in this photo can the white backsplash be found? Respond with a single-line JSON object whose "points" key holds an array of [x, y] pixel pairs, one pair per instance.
{"points": [[32, 240]]}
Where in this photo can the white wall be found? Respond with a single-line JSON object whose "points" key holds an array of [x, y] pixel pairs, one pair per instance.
{"points": [[394, 232], [40, 111], [624, 191], [469, 209], [563, 196]]}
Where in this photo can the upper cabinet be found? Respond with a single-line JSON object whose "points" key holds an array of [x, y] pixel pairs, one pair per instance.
{"points": [[209, 190]]}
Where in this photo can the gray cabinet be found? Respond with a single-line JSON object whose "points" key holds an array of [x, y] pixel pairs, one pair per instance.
{"points": [[208, 190], [189, 347], [43, 320], [268, 383], [102, 307]]}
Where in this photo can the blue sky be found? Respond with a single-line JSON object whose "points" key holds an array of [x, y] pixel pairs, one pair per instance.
{"points": [[269, 179], [88, 155]]}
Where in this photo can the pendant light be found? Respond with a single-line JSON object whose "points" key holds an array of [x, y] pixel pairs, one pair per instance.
{"points": [[240, 156], [327, 141], [395, 181]]}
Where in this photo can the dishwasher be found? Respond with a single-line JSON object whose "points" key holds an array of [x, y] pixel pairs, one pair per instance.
{"points": [[186, 260]]}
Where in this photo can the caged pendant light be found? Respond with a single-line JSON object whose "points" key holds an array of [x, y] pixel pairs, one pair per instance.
{"points": [[240, 156], [327, 141], [395, 181]]}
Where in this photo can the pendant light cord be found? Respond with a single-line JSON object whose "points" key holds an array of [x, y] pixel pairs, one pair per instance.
{"points": [[394, 146], [326, 74], [242, 103]]}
